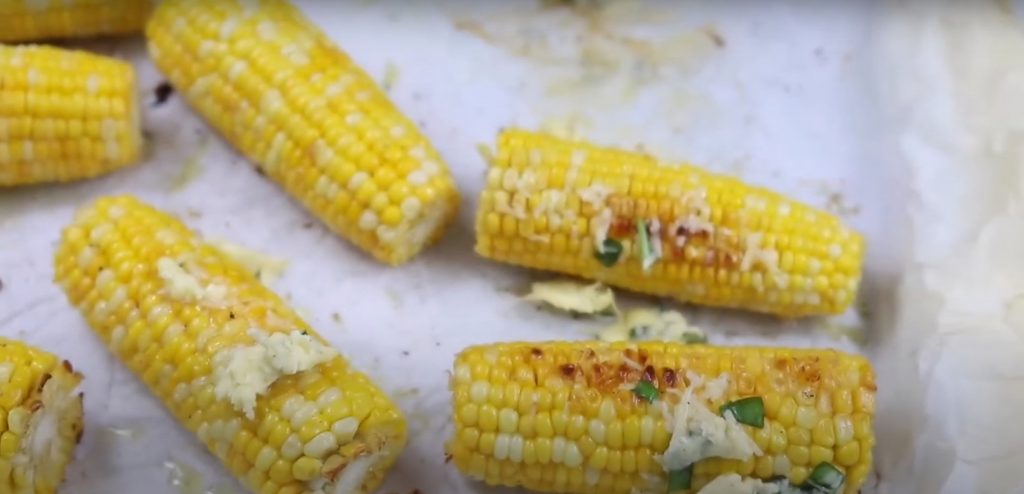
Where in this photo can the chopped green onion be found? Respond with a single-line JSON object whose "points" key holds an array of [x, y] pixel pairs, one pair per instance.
{"points": [[609, 253], [647, 391], [748, 410], [826, 478], [681, 479], [646, 251], [694, 338]]}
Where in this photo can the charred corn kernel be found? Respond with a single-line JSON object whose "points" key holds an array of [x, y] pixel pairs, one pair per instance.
{"points": [[629, 220], [168, 278], [596, 430], [64, 115], [309, 117], [42, 424], [33, 20]]}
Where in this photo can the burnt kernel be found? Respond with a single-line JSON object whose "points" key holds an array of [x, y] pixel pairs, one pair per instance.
{"points": [[568, 370], [669, 376], [536, 352]]}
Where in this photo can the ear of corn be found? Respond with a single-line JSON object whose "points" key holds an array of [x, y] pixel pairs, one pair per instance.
{"points": [[628, 220], [40, 418], [187, 319], [64, 115], [312, 120], [33, 20], [569, 417]]}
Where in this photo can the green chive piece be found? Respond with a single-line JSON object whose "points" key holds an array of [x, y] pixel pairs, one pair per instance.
{"points": [[679, 480], [610, 252], [647, 391], [694, 338], [826, 478], [748, 411], [644, 241]]}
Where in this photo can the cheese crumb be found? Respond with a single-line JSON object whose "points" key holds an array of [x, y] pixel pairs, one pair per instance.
{"points": [[266, 268], [570, 296], [732, 483], [241, 373], [698, 433], [652, 325], [184, 286]]}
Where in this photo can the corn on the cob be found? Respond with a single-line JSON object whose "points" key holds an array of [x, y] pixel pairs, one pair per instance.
{"points": [[572, 417], [232, 362], [311, 119], [33, 20], [64, 115], [40, 418], [628, 220]]}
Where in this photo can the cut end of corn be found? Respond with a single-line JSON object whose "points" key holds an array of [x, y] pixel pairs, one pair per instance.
{"points": [[65, 115], [313, 120], [260, 388], [570, 418], [628, 220], [40, 418], [35, 20]]}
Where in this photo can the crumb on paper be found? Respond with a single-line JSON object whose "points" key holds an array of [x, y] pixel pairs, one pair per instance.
{"points": [[485, 152], [715, 36], [394, 297], [573, 297], [125, 432], [192, 168], [162, 92], [184, 477], [266, 268], [839, 331], [652, 324], [307, 225], [193, 213], [391, 73], [406, 392], [336, 317]]}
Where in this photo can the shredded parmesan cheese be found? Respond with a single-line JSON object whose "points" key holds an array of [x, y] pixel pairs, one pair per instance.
{"points": [[242, 373], [183, 285]]}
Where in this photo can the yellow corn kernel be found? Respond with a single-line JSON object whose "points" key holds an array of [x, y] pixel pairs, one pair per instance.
{"points": [[40, 90], [35, 21], [329, 135], [723, 243], [285, 435], [592, 433], [40, 389]]}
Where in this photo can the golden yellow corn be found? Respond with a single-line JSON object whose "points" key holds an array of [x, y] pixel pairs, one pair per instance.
{"points": [[564, 416], [40, 418], [190, 322], [628, 220], [64, 115], [311, 119], [33, 20]]}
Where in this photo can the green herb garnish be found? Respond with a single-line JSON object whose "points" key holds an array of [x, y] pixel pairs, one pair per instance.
{"points": [[679, 480], [748, 411], [610, 252], [646, 390], [826, 478]]}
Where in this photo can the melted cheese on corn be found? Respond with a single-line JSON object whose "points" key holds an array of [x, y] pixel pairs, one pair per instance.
{"points": [[242, 373], [184, 286], [733, 483], [698, 433], [264, 267]]}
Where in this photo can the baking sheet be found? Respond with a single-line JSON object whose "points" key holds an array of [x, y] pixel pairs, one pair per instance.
{"points": [[790, 95]]}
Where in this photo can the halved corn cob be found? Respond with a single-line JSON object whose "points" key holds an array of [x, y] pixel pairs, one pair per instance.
{"points": [[33, 20], [234, 364], [628, 220], [40, 418], [64, 115], [312, 120], [595, 417]]}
